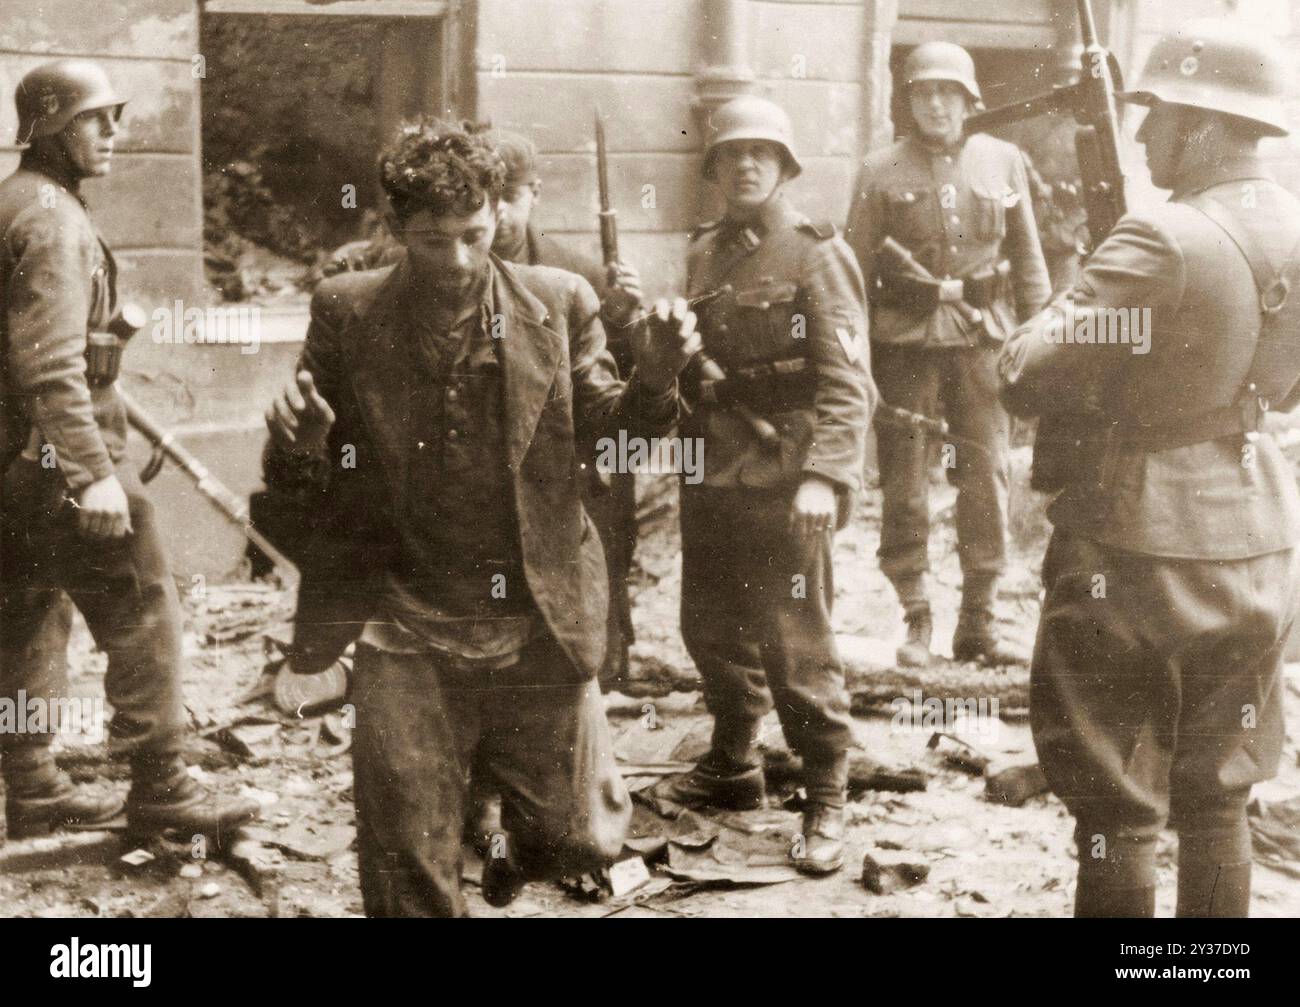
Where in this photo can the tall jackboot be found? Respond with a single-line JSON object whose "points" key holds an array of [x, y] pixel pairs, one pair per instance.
{"points": [[1122, 883], [1092, 901], [164, 796], [40, 797], [1214, 875]]}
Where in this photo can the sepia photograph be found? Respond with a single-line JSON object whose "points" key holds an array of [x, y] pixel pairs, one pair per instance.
{"points": [[650, 459]]}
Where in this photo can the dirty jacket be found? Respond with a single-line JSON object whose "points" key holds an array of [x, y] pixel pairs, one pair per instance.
{"points": [[558, 382], [57, 284]]}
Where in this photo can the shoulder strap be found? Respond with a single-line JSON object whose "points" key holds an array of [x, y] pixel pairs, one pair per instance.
{"points": [[1260, 267], [1275, 364]]}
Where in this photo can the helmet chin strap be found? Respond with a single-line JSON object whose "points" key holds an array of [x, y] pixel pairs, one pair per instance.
{"points": [[69, 162]]}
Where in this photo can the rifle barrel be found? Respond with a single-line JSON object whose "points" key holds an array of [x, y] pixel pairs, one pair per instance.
{"points": [[1087, 24], [217, 493]]}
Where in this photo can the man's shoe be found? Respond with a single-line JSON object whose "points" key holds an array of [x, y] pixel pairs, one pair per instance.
{"points": [[502, 881], [167, 797], [823, 841], [482, 821], [713, 786], [977, 640], [55, 806], [915, 651]]}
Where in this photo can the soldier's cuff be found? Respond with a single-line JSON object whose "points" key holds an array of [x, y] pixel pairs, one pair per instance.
{"points": [[839, 482]]}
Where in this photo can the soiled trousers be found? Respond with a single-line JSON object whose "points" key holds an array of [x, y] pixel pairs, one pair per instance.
{"points": [[534, 732]]}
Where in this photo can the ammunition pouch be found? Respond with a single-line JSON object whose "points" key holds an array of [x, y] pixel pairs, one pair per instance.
{"points": [[103, 359], [772, 387], [979, 289]]}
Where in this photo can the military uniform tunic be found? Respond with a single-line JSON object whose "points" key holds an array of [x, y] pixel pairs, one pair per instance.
{"points": [[57, 284], [961, 211], [786, 323], [1171, 574]]}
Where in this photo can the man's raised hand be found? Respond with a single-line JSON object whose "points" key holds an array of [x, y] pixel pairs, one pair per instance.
{"points": [[300, 419], [666, 344]]}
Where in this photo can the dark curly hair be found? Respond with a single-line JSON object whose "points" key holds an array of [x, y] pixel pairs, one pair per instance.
{"points": [[443, 167]]}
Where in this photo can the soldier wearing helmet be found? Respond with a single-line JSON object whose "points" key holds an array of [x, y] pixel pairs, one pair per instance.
{"points": [[782, 312], [1171, 575], [961, 206], [73, 515]]}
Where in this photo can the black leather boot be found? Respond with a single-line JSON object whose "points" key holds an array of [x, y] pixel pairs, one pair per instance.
{"points": [[1214, 874], [716, 783], [822, 850], [915, 651], [976, 639], [1092, 901], [40, 797], [164, 796]]}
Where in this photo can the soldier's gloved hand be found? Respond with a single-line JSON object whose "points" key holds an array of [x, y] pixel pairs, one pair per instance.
{"points": [[623, 299], [103, 511], [665, 344], [300, 419], [814, 510]]}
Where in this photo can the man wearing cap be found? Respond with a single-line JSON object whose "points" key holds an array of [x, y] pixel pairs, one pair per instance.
{"points": [[961, 206], [1171, 575], [782, 314], [610, 498], [73, 515]]}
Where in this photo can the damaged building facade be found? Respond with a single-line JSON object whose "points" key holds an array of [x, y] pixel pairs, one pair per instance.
{"points": [[274, 110]]}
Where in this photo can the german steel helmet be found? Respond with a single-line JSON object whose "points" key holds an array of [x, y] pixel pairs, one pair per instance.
{"points": [[942, 61], [1218, 65], [49, 96], [751, 118]]}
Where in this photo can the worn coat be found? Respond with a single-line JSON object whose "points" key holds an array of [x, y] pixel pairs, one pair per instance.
{"points": [[559, 381]]}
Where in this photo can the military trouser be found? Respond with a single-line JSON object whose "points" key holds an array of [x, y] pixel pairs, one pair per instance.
{"points": [[535, 731], [122, 587], [612, 510], [964, 382], [1155, 696], [756, 616]]}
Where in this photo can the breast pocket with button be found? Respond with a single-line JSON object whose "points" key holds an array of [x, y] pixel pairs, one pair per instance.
{"points": [[990, 214], [912, 215]]}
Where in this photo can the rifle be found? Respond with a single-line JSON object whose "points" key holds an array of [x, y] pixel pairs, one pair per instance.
{"points": [[608, 215], [126, 322], [1091, 100], [767, 434], [1063, 439]]}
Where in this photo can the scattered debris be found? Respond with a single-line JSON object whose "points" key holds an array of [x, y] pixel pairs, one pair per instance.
{"points": [[884, 876], [627, 876], [1014, 785], [965, 756]]}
